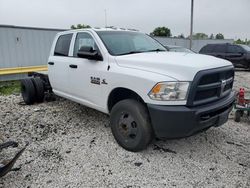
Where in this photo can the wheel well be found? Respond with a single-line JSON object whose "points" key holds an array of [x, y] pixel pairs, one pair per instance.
{"points": [[119, 94]]}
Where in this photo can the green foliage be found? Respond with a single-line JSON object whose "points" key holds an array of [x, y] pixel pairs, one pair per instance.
{"points": [[211, 36], [219, 36], [10, 87], [200, 36], [239, 41], [80, 26], [181, 36], [161, 32]]}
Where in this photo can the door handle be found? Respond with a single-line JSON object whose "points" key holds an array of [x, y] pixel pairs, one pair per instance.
{"points": [[73, 66], [51, 63]]}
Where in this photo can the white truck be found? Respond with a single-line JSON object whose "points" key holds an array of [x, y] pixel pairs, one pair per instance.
{"points": [[147, 91]]}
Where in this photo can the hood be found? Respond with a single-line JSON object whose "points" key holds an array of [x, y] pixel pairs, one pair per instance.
{"points": [[180, 66]]}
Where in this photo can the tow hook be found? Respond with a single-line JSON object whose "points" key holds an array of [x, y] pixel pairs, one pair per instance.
{"points": [[6, 165]]}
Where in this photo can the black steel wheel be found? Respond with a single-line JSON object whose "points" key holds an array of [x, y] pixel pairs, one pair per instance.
{"points": [[28, 91], [39, 86], [130, 125]]}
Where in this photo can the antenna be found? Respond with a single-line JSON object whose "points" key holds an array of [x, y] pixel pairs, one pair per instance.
{"points": [[106, 23]]}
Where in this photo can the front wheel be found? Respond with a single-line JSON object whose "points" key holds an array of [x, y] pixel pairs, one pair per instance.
{"points": [[130, 125]]}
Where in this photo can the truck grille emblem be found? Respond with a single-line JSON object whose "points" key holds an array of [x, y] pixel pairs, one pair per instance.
{"points": [[223, 85]]}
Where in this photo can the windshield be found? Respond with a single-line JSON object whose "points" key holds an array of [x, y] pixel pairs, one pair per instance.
{"points": [[247, 48], [126, 42]]}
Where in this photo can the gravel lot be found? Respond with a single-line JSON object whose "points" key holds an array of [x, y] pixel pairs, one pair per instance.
{"points": [[72, 146]]}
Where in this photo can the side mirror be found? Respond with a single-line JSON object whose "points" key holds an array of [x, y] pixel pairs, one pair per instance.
{"points": [[89, 53]]}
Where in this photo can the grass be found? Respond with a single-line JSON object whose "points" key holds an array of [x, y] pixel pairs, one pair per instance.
{"points": [[10, 87]]}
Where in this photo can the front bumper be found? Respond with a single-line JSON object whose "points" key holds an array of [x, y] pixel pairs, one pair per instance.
{"points": [[183, 121]]}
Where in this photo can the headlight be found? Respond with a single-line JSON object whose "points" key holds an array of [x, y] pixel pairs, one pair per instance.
{"points": [[169, 91]]}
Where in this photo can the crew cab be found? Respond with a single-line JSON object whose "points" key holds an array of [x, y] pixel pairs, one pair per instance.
{"points": [[147, 91]]}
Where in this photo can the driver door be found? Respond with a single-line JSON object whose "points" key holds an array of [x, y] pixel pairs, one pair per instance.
{"points": [[84, 74]]}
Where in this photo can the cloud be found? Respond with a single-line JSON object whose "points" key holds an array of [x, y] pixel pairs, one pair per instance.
{"points": [[229, 17]]}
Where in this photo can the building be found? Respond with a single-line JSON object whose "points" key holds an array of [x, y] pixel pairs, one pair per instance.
{"points": [[23, 47]]}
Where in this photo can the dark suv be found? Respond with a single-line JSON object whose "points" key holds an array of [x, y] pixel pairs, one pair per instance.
{"points": [[239, 55]]}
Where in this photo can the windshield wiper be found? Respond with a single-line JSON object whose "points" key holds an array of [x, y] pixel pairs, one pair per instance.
{"points": [[136, 52], [156, 50], [131, 52]]}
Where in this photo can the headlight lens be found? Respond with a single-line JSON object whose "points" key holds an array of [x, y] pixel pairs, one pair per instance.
{"points": [[169, 91]]}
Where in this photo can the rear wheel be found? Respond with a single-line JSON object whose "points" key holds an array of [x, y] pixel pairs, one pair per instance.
{"points": [[39, 86], [130, 125], [28, 91]]}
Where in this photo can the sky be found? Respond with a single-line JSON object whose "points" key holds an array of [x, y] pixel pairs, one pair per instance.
{"points": [[230, 17]]}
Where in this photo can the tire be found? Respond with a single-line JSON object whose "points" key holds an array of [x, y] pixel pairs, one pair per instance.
{"points": [[237, 116], [28, 91], [130, 125], [39, 86], [241, 113]]}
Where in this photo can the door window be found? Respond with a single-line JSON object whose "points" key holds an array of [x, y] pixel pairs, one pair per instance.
{"points": [[62, 45], [207, 49], [84, 39], [234, 49], [220, 49]]}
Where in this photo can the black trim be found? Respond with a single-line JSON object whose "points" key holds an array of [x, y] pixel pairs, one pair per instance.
{"points": [[182, 121], [196, 87]]}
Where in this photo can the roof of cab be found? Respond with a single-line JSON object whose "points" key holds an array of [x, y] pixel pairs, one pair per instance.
{"points": [[98, 29]]}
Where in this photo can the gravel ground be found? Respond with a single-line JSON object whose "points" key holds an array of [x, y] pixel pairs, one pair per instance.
{"points": [[72, 146]]}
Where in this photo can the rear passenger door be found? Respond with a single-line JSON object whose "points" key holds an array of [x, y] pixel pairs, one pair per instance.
{"points": [[235, 54], [58, 65]]}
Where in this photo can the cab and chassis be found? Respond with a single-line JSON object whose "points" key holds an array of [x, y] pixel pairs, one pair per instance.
{"points": [[147, 91]]}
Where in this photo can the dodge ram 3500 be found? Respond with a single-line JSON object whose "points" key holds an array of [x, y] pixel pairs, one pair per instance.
{"points": [[147, 91]]}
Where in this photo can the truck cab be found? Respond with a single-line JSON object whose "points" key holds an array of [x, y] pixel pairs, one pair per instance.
{"points": [[147, 91]]}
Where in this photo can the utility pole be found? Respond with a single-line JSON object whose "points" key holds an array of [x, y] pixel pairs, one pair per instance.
{"points": [[191, 26]]}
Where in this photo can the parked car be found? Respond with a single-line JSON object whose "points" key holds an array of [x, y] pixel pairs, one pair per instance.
{"points": [[147, 91], [239, 55], [178, 49]]}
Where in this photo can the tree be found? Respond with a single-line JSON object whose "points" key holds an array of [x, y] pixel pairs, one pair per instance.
{"points": [[239, 41], [200, 36], [80, 26], [219, 36], [211, 36], [181, 36], [161, 32]]}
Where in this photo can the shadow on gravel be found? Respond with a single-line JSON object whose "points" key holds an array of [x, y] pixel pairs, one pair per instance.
{"points": [[241, 70]]}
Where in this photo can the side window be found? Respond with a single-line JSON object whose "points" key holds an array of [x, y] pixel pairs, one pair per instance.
{"points": [[62, 45], [239, 49], [234, 49], [207, 49], [84, 39], [220, 49]]}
